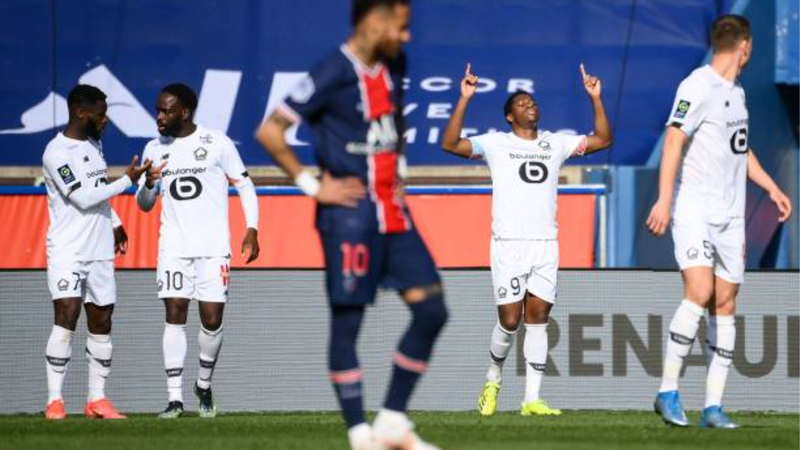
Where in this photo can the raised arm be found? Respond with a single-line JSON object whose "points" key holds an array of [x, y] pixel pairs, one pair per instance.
{"points": [[451, 140], [659, 217], [759, 176], [601, 138]]}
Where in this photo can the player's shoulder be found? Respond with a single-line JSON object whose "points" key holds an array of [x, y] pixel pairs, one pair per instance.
{"points": [[334, 64], [700, 81], [492, 137], [57, 148], [213, 137], [153, 144]]}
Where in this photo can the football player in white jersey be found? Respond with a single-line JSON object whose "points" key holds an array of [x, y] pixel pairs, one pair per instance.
{"points": [[702, 185], [192, 168], [83, 236], [524, 164]]}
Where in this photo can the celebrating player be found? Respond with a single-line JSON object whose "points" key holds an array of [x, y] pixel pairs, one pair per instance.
{"points": [[83, 236], [706, 148], [524, 164], [352, 100], [191, 169]]}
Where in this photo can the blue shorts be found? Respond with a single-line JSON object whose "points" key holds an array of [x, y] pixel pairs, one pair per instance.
{"points": [[356, 263]]}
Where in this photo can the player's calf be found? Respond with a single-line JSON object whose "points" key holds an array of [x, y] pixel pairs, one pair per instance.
{"points": [[414, 350]]}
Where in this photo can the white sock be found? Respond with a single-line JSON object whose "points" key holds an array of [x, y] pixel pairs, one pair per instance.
{"points": [[535, 350], [502, 340], [210, 342], [57, 354], [682, 331], [98, 354], [720, 343], [174, 345]]}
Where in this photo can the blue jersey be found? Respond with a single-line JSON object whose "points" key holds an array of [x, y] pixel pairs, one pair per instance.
{"points": [[355, 113]]}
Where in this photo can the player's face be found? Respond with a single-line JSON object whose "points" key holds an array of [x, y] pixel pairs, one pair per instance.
{"points": [[170, 114], [524, 111], [395, 31], [95, 119]]}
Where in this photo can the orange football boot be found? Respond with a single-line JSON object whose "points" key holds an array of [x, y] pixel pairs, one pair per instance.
{"points": [[102, 409], [55, 410]]}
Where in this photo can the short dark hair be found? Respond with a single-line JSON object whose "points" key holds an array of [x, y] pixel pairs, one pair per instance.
{"points": [[83, 95], [510, 101], [362, 7], [728, 30], [183, 93]]}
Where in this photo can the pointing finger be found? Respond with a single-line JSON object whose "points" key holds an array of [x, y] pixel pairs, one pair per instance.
{"points": [[467, 71], [583, 71]]}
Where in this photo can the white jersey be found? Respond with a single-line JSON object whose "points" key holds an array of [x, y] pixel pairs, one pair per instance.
{"points": [[194, 191], [76, 234], [525, 180], [713, 178]]}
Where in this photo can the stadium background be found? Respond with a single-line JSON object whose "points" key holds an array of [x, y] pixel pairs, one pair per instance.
{"points": [[243, 56]]}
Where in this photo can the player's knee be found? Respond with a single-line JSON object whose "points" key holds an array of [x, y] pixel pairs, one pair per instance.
{"points": [[100, 325], [430, 314], [700, 293], [509, 320], [725, 306], [67, 313], [537, 316], [212, 323]]}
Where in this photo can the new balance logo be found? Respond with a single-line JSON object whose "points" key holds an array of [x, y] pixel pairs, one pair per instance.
{"points": [[174, 372], [207, 364], [55, 361], [537, 367], [727, 354], [680, 339]]}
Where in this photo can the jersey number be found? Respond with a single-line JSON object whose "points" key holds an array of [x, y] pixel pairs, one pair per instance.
{"points": [[533, 172], [174, 280], [355, 259], [185, 188], [739, 141]]}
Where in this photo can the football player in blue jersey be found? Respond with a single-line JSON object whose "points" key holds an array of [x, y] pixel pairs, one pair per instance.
{"points": [[352, 101]]}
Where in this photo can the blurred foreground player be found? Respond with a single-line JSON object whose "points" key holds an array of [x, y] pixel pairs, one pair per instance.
{"points": [[352, 100], [192, 167], [706, 148], [83, 236], [525, 164]]}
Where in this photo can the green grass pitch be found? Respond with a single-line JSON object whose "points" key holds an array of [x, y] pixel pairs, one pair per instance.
{"points": [[452, 431]]}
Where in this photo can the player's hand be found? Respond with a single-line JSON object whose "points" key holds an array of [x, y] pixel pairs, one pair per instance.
{"points": [[659, 218], [153, 174], [783, 203], [120, 240], [340, 191], [250, 241], [469, 84], [134, 171], [591, 83]]}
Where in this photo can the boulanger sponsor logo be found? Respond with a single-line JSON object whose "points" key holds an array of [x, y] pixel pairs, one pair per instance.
{"points": [[599, 345], [183, 171]]}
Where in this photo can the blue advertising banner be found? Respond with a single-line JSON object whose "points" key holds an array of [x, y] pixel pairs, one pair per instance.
{"points": [[243, 56]]}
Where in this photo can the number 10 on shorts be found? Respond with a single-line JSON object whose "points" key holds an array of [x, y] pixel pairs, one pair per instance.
{"points": [[355, 259]]}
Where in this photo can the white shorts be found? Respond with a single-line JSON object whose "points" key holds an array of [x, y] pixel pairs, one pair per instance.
{"points": [[524, 265], [93, 281], [205, 279], [721, 246]]}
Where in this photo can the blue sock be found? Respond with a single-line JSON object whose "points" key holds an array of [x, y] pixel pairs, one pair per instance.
{"points": [[343, 363], [411, 359]]}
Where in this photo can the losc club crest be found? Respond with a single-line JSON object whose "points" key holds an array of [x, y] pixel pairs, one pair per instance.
{"points": [[200, 154], [501, 292], [63, 285], [160, 285]]}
